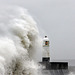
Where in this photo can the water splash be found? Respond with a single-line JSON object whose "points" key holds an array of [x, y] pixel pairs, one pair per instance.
{"points": [[19, 40], [71, 73]]}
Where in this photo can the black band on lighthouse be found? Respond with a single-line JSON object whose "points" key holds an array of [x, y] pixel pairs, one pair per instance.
{"points": [[45, 59]]}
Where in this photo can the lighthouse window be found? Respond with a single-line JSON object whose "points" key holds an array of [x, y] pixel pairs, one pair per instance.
{"points": [[46, 42]]}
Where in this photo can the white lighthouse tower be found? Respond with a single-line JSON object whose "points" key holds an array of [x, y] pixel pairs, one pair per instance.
{"points": [[46, 53], [46, 58]]}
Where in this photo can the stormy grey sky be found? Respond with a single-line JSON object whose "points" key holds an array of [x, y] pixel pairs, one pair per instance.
{"points": [[56, 19]]}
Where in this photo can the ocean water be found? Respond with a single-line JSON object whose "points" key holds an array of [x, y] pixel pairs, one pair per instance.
{"points": [[70, 71]]}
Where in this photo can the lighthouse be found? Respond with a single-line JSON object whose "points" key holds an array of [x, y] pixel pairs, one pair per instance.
{"points": [[46, 58], [46, 52]]}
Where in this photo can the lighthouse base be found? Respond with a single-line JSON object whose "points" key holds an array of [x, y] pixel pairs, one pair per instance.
{"points": [[53, 65]]}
